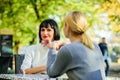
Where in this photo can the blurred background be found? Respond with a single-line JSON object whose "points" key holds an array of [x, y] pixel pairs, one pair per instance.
{"points": [[20, 20]]}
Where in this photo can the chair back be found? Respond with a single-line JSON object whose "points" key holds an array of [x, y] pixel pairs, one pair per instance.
{"points": [[18, 62], [4, 64]]}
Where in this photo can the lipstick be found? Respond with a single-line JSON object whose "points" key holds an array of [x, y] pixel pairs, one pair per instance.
{"points": [[45, 37]]}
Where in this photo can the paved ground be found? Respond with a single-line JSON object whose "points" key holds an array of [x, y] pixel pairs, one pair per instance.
{"points": [[114, 70], [114, 73]]}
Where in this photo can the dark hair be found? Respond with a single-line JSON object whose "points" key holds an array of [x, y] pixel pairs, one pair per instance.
{"points": [[53, 25], [103, 37]]}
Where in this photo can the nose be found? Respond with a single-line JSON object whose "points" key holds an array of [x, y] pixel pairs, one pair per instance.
{"points": [[45, 32]]}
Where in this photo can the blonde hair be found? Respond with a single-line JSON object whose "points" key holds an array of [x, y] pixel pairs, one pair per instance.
{"points": [[77, 24]]}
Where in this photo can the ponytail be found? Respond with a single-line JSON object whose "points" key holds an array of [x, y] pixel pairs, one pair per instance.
{"points": [[86, 41]]}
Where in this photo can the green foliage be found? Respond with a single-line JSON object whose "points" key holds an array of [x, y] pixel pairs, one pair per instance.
{"points": [[116, 50], [112, 8], [25, 16]]}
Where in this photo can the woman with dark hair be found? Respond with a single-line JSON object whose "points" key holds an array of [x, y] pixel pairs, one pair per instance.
{"points": [[49, 23], [36, 55]]}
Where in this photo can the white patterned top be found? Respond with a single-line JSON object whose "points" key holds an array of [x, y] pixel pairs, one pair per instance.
{"points": [[35, 56]]}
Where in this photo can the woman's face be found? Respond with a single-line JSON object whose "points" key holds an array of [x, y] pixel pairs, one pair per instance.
{"points": [[66, 31], [47, 33]]}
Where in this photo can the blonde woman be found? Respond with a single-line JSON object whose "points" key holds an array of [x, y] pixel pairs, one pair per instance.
{"points": [[81, 59]]}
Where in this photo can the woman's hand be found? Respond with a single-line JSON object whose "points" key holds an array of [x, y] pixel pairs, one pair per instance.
{"points": [[46, 42], [54, 44], [50, 44], [62, 44]]}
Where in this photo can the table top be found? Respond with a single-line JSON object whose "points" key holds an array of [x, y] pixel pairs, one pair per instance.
{"points": [[27, 77]]}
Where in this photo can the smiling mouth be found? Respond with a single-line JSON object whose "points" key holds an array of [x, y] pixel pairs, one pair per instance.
{"points": [[45, 36]]}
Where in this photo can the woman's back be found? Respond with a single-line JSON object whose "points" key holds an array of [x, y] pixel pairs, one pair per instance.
{"points": [[85, 62]]}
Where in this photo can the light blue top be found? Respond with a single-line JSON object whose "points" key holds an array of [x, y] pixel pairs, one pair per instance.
{"points": [[77, 61]]}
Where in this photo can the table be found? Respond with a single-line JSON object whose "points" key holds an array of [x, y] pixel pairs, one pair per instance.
{"points": [[27, 77]]}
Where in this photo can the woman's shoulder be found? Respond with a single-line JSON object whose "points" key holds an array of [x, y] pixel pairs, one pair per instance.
{"points": [[77, 45], [66, 47], [33, 47], [73, 44]]}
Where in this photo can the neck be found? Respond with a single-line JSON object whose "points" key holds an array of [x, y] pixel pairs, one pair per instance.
{"points": [[74, 38]]}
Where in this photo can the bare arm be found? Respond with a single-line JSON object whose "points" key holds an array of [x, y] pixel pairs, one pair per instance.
{"points": [[35, 70]]}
